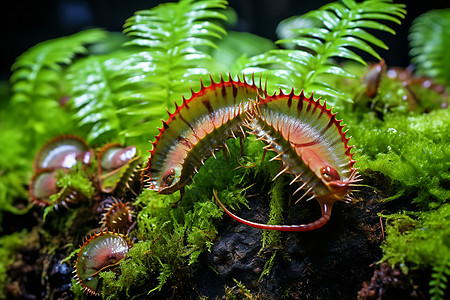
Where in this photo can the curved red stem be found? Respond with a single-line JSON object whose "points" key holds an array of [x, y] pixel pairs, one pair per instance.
{"points": [[326, 214]]}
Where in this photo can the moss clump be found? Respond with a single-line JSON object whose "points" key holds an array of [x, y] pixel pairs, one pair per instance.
{"points": [[76, 180], [272, 238], [421, 240], [169, 239], [412, 150], [9, 244]]}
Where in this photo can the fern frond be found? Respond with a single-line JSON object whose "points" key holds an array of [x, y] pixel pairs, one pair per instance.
{"points": [[430, 40], [343, 31], [172, 40], [94, 96], [124, 96], [97, 84], [439, 280], [37, 73]]}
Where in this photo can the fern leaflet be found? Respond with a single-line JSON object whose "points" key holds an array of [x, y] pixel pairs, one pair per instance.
{"points": [[38, 71], [429, 39], [171, 42], [439, 280], [94, 96], [310, 65]]}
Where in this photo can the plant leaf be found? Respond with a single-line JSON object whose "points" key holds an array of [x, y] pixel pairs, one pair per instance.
{"points": [[429, 40], [340, 34]]}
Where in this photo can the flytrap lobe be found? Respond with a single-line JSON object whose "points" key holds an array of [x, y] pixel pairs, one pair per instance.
{"points": [[118, 166], [305, 135], [100, 252], [197, 128], [312, 146], [58, 155]]}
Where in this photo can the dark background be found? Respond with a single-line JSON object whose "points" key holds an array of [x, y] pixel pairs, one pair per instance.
{"points": [[26, 23]]}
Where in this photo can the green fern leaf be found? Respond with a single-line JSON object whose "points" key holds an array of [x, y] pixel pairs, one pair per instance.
{"points": [[429, 40], [172, 42], [37, 73], [439, 281], [123, 97], [94, 97], [342, 32], [39, 89]]}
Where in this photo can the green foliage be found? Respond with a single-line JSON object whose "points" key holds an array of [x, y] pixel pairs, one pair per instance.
{"points": [[438, 283], [171, 43], [421, 240], [168, 238], [239, 291], [9, 244], [13, 173], [123, 94], [430, 40], [272, 238], [15, 163], [268, 266], [37, 73], [411, 149], [342, 29], [38, 87], [34, 113], [94, 91], [235, 48]]}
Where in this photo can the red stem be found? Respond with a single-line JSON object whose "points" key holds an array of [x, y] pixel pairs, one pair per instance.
{"points": [[326, 213]]}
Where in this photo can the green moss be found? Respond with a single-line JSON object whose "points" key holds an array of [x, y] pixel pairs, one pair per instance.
{"points": [[268, 266], [239, 291], [411, 149], [419, 241], [76, 180], [272, 238], [9, 244], [169, 238], [406, 234], [136, 270]]}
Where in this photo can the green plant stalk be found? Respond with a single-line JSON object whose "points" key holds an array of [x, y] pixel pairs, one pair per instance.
{"points": [[272, 238]]}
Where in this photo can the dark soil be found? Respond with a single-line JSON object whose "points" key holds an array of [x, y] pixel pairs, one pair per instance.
{"points": [[329, 263], [391, 284]]}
